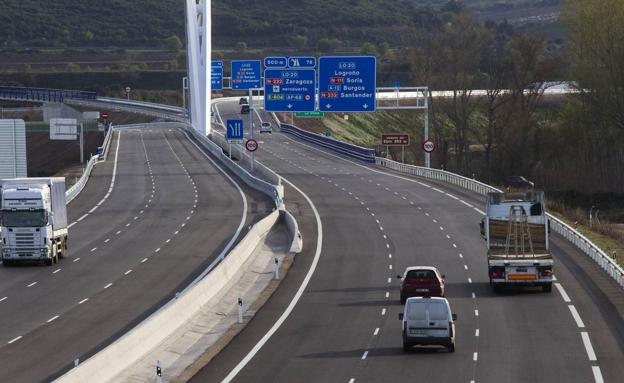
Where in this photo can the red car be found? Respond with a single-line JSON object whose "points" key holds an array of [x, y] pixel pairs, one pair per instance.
{"points": [[421, 281]]}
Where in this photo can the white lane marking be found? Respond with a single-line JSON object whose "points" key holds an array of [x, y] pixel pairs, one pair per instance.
{"points": [[167, 241], [390, 255], [477, 332], [448, 236], [118, 232], [157, 250], [107, 286], [94, 249], [455, 246], [390, 267], [56, 271], [93, 209], [427, 214], [387, 245], [383, 312], [475, 356], [564, 295], [128, 225], [389, 280], [83, 301], [128, 272], [474, 296], [588, 346], [435, 220], [293, 303], [465, 267], [479, 211], [385, 237], [452, 196], [107, 240], [364, 355], [53, 319], [76, 260], [597, 374], [15, 339], [2, 299], [144, 260], [476, 313], [32, 284], [438, 190], [176, 232], [71, 225], [554, 278], [381, 228], [387, 294], [376, 331], [461, 255], [466, 203], [135, 218], [83, 217], [469, 280], [576, 316], [442, 228]]}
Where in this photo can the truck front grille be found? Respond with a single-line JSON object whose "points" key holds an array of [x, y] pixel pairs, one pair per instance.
{"points": [[24, 240]]}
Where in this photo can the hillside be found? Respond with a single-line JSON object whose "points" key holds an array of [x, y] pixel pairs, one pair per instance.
{"points": [[275, 23]]}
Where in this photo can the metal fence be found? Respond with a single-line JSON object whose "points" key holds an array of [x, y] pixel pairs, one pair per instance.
{"points": [[558, 226]]}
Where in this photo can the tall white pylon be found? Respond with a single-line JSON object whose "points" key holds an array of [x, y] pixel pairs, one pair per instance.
{"points": [[199, 58]]}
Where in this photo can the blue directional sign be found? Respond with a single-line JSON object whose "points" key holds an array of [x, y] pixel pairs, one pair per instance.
{"points": [[289, 90], [216, 75], [302, 62], [275, 62], [234, 130], [246, 74], [347, 84]]}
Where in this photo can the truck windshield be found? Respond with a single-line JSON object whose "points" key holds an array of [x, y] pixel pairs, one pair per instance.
{"points": [[24, 218]]}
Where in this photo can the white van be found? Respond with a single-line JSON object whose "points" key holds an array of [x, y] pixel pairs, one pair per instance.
{"points": [[428, 321]]}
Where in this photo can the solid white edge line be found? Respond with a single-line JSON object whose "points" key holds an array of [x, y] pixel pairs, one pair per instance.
{"points": [[14, 339], [597, 374], [576, 316], [112, 184], [2, 299], [564, 295], [588, 346], [295, 300], [83, 301], [53, 319], [364, 355]]}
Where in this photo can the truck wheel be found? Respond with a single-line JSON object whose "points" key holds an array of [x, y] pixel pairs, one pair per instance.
{"points": [[406, 347], [7, 263], [48, 262], [547, 288], [451, 347], [403, 299], [496, 287]]}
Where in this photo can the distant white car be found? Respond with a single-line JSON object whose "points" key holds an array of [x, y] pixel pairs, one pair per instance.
{"points": [[265, 127]]}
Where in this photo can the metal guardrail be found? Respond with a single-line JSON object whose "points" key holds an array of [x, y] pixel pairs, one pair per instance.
{"points": [[163, 112], [558, 226], [353, 151]]}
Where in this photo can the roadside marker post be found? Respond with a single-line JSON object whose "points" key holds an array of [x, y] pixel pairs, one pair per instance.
{"points": [[240, 310], [276, 274]]}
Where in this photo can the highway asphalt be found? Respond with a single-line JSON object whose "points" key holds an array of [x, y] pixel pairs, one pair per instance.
{"points": [[169, 214], [375, 223]]}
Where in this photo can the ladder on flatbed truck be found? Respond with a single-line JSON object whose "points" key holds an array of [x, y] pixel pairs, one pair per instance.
{"points": [[518, 226]]}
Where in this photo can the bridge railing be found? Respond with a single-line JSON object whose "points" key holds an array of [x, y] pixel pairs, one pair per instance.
{"points": [[44, 94], [558, 226]]}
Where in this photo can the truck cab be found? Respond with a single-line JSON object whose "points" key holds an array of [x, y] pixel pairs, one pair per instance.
{"points": [[33, 221]]}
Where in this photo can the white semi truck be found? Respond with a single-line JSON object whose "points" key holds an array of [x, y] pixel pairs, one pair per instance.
{"points": [[33, 220], [516, 231]]}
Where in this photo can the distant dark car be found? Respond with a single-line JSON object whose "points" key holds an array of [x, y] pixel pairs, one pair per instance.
{"points": [[518, 182], [245, 109], [421, 281], [242, 101]]}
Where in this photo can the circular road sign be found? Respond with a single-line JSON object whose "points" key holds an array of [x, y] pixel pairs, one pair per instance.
{"points": [[429, 146], [251, 145]]}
